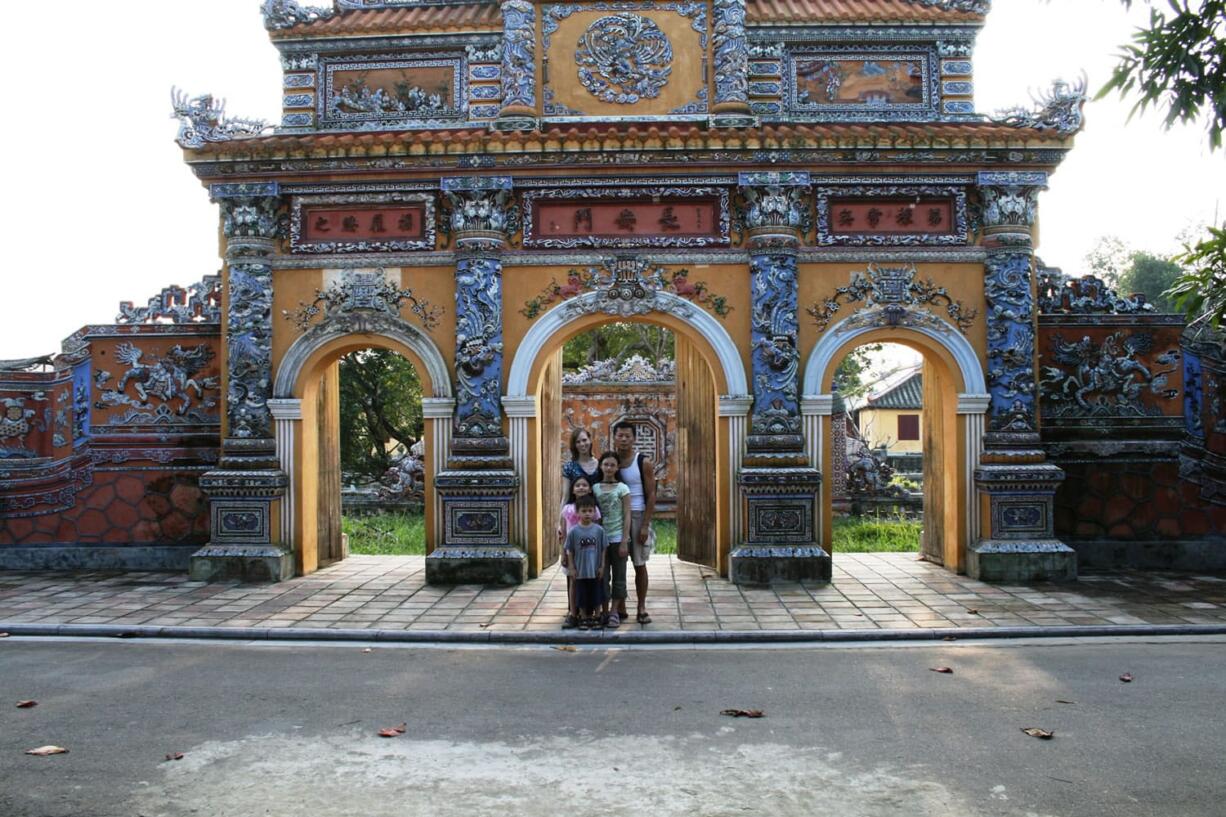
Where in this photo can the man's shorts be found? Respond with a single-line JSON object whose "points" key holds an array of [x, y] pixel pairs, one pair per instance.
{"points": [[639, 554]]}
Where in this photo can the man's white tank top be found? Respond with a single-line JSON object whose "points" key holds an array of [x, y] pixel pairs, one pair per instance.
{"points": [[634, 481]]}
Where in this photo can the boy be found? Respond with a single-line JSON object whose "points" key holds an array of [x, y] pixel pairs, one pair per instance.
{"points": [[585, 549]]}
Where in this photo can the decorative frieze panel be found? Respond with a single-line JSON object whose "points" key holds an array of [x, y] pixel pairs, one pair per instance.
{"points": [[892, 290], [892, 215], [640, 60], [179, 386], [628, 282], [626, 217], [362, 222], [862, 83], [390, 90]]}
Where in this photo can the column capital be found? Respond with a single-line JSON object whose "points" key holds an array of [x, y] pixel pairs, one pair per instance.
{"points": [[777, 208], [481, 214], [250, 211], [1010, 204]]}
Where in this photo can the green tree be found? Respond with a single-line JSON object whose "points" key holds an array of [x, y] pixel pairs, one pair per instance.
{"points": [[1152, 276], [1108, 258], [849, 374], [1201, 289], [1178, 62], [618, 341], [380, 402]]}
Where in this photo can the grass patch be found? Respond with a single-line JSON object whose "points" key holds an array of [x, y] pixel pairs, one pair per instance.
{"points": [[864, 534], [666, 535], [386, 534]]}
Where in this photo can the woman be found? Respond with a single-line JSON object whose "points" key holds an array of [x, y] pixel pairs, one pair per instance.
{"points": [[581, 463]]}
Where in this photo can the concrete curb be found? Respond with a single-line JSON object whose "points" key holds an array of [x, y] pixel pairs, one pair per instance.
{"points": [[559, 637]]}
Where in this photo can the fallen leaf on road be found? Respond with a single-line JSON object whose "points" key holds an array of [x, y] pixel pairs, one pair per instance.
{"points": [[743, 713], [43, 751], [27, 704], [1036, 732], [973, 611], [676, 708], [950, 638], [942, 670], [1126, 677], [174, 756], [566, 648], [393, 732], [1064, 702]]}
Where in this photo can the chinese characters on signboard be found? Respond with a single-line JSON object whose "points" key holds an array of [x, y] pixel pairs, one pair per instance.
{"points": [[891, 216], [362, 224], [323, 226], [579, 219]]}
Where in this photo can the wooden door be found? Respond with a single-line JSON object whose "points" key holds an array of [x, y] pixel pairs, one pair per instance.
{"points": [[697, 511], [328, 520], [932, 541], [551, 464]]}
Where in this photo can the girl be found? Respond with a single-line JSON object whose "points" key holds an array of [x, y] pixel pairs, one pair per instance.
{"points": [[579, 486], [614, 498]]}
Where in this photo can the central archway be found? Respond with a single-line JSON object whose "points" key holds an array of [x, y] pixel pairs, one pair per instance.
{"points": [[714, 363]]}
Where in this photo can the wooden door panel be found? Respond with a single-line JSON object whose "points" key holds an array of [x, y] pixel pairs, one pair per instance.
{"points": [[697, 509]]}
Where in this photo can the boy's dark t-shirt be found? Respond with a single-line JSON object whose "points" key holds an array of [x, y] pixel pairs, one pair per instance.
{"points": [[585, 544]]}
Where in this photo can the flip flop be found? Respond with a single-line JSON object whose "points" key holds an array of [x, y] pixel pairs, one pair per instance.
{"points": [[643, 618]]}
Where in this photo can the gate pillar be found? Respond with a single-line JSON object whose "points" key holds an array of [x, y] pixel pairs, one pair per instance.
{"points": [[480, 485], [1016, 486], [730, 45], [242, 541], [777, 481]]}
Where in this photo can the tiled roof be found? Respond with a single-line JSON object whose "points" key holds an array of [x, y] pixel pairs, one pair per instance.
{"points": [[907, 394], [453, 17], [810, 12], [479, 16], [643, 136]]}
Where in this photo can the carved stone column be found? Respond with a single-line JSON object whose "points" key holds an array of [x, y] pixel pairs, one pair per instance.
{"points": [[241, 491], [518, 67], [1018, 542], [479, 486], [778, 483], [730, 45]]}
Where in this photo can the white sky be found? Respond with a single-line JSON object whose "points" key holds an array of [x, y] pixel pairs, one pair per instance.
{"points": [[99, 207]]}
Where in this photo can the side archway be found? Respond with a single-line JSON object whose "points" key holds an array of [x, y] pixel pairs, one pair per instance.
{"points": [[305, 407], [956, 399]]}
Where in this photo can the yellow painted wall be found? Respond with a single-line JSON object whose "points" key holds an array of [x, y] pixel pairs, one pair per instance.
{"points": [[880, 427]]}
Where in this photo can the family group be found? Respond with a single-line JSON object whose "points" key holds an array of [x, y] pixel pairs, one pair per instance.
{"points": [[607, 506]]}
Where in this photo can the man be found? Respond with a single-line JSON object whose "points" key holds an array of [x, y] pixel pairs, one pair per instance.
{"points": [[639, 474]]}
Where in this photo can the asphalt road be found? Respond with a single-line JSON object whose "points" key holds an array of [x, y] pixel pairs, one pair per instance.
{"points": [[292, 730]]}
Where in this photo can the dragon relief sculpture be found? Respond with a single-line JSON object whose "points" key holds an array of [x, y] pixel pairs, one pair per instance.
{"points": [[202, 119], [1106, 379], [1059, 109], [166, 379], [623, 58]]}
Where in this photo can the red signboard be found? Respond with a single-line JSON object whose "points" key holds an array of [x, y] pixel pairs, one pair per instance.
{"points": [[684, 218], [348, 224], [891, 216]]}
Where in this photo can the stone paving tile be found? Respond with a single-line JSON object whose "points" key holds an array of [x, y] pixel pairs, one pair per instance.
{"points": [[869, 591]]}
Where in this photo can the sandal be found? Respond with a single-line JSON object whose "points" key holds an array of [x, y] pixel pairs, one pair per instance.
{"points": [[585, 624], [643, 618], [614, 621], [570, 622]]}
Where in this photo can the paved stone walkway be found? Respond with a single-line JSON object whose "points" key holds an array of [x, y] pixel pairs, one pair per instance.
{"points": [[870, 591]]}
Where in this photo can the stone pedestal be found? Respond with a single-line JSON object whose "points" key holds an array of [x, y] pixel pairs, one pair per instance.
{"points": [[1020, 545], [240, 523], [781, 539], [477, 546]]}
